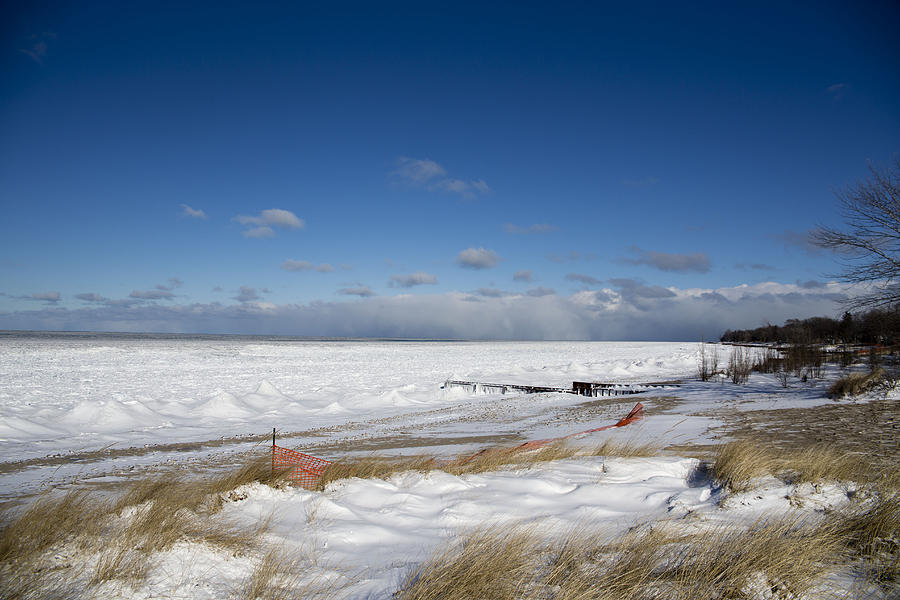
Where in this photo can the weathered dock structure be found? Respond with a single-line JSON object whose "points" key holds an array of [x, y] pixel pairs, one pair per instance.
{"points": [[477, 387], [594, 389], [582, 388]]}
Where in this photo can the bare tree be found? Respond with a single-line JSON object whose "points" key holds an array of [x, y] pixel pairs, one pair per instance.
{"points": [[871, 242], [740, 365]]}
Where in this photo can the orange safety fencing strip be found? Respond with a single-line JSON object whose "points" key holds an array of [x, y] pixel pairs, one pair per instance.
{"points": [[636, 414], [302, 469]]}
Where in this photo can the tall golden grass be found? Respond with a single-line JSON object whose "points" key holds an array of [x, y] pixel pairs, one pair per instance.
{"points": [[738, 463], [722, 562], [490, 459], [48, 521], [868, 528], [279, 575], [150, 516], [787, 556], [490, 563], [854, 384], [373, 467]]}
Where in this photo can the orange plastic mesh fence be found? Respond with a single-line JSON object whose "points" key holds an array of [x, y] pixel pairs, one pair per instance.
{"points": [[302, 469]]}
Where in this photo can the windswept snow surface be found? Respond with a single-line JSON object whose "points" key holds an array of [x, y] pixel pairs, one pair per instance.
{"points": [[71, 394], [73, 406], [380, 529], [365, 536]]}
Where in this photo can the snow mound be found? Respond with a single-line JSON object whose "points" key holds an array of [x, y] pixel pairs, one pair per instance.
{"points": [[226, 406]]}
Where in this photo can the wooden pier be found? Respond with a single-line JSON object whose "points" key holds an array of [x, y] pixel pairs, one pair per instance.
{"points": [[581, 388], [595, 389], [477, 387]]}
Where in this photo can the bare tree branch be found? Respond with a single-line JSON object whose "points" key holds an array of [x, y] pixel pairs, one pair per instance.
{"points": [[870, 245]]}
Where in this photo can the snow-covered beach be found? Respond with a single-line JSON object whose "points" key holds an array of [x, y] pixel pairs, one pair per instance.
{"points": [[76, 395], [165, 403]]}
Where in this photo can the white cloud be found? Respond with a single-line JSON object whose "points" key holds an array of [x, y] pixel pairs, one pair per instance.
{"points": [[261, 225], [466, 189], [427, 174], [477, 258], [539, 291], [452, 185], [363, 291], [156, 294], [260, 232], [493, 293], [90, 297], [417, 170], [480, 186], [247, 294], [413, 279], [305, 265], [524, 275], [48, 297], [673, 263], [187, 211], [282, 218]]}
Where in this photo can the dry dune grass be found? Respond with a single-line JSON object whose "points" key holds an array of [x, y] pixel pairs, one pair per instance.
{"points": [[648, 563], [490, 563], [496, 458], [373, 467], [46, 522], [854, 384], [870, 530], [490, 459], [623, 449], [153, 514], [737, 463], [783, 557], [278, 575], [150, 516]]}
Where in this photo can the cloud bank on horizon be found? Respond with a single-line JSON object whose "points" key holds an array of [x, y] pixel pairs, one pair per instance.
{"points": [[627, 311]]}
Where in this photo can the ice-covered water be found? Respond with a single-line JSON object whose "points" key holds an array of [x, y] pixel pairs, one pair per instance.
{"points": [[63, 393]]}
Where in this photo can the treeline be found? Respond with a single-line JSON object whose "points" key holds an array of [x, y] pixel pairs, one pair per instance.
{"points": [[876, 326]]}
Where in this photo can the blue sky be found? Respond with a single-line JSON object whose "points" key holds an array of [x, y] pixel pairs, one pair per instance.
{"points": [[466, 170]]}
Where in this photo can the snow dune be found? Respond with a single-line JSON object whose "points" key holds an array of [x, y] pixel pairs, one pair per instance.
{"points": [[366, 535], [75, 395]]}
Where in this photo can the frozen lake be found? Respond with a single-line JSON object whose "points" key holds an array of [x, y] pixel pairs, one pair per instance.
{"points": [[74, 394]]}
